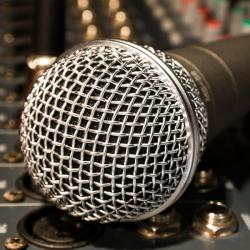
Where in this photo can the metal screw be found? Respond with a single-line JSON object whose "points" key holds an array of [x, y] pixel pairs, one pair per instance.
{"points": [[91, 32], [13, 157], [83, 4], [120, 18], [13, 196], [87, 17], [11, 124], [214, 220], [15, 243], [9, 74], [113, 5], [10, 98], [164, 225], [125, 32], [205, 181]]}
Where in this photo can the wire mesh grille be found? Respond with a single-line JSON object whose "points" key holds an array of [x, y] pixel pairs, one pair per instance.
{"points": [[104, 135], [191, 90]]}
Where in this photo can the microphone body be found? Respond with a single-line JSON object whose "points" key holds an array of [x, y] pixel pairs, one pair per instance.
{"points": [[221, 72], [114, 131]]}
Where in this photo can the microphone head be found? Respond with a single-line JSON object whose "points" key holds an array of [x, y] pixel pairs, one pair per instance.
{"points": [[113, 131]]}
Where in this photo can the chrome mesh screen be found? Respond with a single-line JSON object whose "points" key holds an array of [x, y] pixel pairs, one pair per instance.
{"points": [[104, 135], [191, 90]]}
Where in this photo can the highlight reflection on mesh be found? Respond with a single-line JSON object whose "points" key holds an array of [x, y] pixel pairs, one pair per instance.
{"points": [[104, 135]]}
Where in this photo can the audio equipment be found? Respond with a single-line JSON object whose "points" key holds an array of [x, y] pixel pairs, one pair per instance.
{"points": [[28, 221], [114, 131], [214, 211], [48, 38]]}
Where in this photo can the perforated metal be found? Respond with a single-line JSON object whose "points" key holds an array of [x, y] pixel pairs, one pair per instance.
{"points": [[105, 135]]}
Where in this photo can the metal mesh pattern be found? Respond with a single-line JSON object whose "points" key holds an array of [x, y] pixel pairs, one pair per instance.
{"points": [[104, 135], [192, 91]]}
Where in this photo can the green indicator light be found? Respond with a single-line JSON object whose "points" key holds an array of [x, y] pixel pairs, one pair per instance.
{"points": [[246, 22]]}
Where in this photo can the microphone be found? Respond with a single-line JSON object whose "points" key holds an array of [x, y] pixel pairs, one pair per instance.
{"points": [[113, 131]]}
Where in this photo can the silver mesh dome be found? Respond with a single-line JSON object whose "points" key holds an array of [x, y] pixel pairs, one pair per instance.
{"points": [[112, 132]]}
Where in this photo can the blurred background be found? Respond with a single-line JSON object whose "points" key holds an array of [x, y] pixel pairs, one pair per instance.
{"points": [[163, 24]]}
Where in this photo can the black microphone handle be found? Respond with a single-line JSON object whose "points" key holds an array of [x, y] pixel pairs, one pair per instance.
{"points": [[222, 73]]}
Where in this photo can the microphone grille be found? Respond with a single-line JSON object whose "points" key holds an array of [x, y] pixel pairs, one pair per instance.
{"points": [[106, 135]]}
